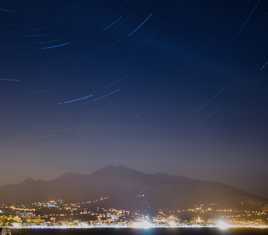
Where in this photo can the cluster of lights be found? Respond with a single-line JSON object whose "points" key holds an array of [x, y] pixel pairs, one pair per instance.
{"points": [[142, 223], [57, 214]]}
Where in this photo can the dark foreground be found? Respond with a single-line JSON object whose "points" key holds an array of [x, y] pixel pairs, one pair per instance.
{"points": [[188, 231]]}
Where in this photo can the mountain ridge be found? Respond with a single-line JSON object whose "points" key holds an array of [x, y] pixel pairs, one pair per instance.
{"points": [[123, 186]]}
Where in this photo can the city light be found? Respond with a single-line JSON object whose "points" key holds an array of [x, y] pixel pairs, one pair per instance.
{"points": [[143, 223], [82, 215], [223, 225]]}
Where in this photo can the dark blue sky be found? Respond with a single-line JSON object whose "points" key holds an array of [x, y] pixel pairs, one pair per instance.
{"points": [[170, 86]]}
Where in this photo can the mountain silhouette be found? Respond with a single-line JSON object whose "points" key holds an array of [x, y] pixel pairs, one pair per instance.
{"points": [[128, 188]]}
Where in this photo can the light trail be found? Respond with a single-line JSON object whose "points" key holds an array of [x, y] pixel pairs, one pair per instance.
{"points": [[106, 95], [82, 98], [9, 80], [56, 46], [113, 23], [140, 25], [204, 106], [247, 20], [5, 10]]}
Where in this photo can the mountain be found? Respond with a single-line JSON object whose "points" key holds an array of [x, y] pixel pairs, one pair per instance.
{"points": [[128, 188]]}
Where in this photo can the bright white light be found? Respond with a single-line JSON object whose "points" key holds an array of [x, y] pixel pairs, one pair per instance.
{"points": [[142, 224], [172, 223], [223, 225], [83, 225], [16, 225]]}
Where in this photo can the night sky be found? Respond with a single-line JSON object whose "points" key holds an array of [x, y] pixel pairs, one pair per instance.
{"points": [[160, 86]]}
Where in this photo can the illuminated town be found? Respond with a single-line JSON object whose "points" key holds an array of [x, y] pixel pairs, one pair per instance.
{"points": [[63, 215]]}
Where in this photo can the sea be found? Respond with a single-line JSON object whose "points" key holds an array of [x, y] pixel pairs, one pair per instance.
{"points": [[153, 231]]}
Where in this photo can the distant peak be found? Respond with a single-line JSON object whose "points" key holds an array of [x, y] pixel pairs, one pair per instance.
{"points": [[117, 170], [116, 167], [28, 181], [69, 175]]}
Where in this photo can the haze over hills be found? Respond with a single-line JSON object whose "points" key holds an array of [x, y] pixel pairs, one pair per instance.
{"points": [[128, 188]]}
